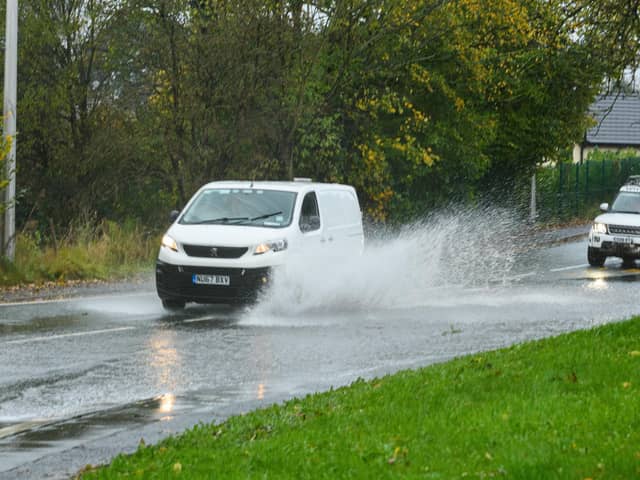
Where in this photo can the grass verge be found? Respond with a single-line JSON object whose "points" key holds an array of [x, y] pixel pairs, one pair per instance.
{"points": [[87, 252], [564, 407]]}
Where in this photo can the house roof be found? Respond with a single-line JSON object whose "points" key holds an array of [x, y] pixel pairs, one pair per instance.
{"points": [[618, 118]]}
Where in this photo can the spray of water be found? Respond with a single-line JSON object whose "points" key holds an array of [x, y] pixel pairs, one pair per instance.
{"points": [[452, 249]]}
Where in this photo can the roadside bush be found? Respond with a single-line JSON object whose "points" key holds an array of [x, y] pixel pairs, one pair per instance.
{"points": [[9, 273], [127, 243], [72, 262], [88, 250]]}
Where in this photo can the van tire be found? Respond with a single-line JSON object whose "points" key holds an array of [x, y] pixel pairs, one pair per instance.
{"points": [[595, 258], [172, 304]]}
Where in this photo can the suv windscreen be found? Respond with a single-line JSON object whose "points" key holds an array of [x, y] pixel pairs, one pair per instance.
{"points": [[239, 206], [626, 202]]}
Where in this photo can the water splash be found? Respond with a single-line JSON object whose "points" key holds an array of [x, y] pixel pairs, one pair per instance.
{"points": [[449, 250]]}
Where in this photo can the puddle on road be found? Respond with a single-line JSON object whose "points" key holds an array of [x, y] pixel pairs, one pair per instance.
{"points": [[136, 304], [20, 442], [40, 324], [43, 433]]}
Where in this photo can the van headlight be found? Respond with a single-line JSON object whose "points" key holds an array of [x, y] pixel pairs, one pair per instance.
{"points": [[170, 243], [273, 246], [599, 228]]}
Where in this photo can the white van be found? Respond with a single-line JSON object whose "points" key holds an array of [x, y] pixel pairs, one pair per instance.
{"points": [[223, 245], [616, 233]]}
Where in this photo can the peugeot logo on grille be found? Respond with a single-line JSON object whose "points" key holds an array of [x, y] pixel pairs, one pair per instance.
{"points": [[214, 251]]}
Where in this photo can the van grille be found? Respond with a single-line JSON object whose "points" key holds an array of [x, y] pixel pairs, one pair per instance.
{"points": [[624, 230], [209, 251]]}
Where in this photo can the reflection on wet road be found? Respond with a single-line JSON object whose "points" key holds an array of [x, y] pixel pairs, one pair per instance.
{"points": [[85, 378]]}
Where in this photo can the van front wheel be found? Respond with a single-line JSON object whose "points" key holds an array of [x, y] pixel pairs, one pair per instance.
{"points": [[172, 304]]}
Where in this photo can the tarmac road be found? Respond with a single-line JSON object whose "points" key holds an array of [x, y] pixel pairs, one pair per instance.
{"points": [[85, 378]]}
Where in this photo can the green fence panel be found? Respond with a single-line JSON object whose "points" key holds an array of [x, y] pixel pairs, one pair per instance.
{"points": [[566, 190]]}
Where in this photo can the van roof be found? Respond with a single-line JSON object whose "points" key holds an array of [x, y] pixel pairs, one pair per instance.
{"points": [[277, 185]]}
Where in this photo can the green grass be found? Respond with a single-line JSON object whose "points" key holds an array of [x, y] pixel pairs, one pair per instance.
{"points": [[86, 252], [565, 407]]}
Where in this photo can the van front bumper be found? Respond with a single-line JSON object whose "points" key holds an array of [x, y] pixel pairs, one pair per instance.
{"points": [[176, 282]]}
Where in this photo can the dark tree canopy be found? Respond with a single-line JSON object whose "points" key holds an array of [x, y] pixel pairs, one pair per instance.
{"points": [[125, 108]]}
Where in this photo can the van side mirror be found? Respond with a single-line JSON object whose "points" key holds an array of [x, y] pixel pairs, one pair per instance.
{"points": [[604, 207], [173, 216], [309, 223]]}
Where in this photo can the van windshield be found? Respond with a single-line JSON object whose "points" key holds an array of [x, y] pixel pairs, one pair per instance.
{"points": [[626, 202], [239, 206]]}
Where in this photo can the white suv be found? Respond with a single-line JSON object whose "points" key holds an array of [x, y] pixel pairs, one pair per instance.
{"points": [[616, 233]]}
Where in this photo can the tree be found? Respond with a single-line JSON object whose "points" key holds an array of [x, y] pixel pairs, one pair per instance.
{"points": [[610, 29], [543, 84], [414, 102], [434, 95]]}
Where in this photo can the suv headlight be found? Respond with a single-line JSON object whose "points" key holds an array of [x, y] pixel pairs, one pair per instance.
{"points": [[170, 243], [273, 246], [599, 227]]}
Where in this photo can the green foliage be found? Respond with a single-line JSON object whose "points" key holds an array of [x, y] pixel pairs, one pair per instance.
{"points": [[565, 407], [80, 141], [10, 274], [87, 251], [128, 107], [568, 191], [610, 29], [616, 156], [436, 98]]}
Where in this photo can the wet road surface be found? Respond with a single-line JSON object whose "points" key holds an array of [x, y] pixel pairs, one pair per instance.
{"points": [[83, 379]]}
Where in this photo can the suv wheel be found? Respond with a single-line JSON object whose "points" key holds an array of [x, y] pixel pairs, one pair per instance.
{"points": [[172, 304], [628, 262], [596, 259]]}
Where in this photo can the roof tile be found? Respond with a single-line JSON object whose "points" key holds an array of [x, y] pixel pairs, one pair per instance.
{"points": [[618, 118]]}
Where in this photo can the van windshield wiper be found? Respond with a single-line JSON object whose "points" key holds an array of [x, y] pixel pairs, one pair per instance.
{"points": [[623, 211], [266, 215], [235, 219], [220, 220]]}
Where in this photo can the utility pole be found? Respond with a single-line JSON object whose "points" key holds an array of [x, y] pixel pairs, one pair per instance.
{"points": [[10, 110], [533, 213]]}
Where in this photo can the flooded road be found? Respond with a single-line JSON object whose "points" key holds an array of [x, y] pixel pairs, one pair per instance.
{"points": [[83, 379]]}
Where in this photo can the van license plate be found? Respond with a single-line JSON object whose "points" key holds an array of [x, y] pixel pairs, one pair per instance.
{"points": [[211, 279], [623, 239]]}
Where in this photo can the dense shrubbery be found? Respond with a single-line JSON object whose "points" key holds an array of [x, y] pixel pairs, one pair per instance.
{"points": [[86, 251]]}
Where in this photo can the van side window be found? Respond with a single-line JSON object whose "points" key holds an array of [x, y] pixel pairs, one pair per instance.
{"points": [[309, 214]]}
